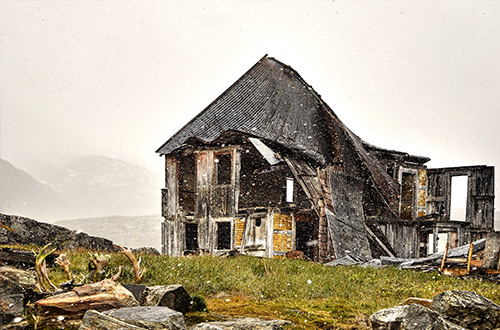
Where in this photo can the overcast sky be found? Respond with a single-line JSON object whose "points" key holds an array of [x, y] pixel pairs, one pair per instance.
{"points": [[118, 78]]}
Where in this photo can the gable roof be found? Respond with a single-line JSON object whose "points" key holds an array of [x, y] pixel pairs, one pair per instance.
{"points": [[272, 102]]}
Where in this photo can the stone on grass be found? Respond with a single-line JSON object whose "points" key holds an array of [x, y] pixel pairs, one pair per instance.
{"points": [[136, 289], [171, 296], [150, 317], [410, 317], [93, 320], [467, 308], [243, 324]]}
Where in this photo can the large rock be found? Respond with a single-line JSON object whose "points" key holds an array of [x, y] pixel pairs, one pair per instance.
{"points": [[136, 289], [410, 317], [243, 324], [103, 295], [150, 317], [11, 300], [171, 296], [93, 320], [469, 309]]}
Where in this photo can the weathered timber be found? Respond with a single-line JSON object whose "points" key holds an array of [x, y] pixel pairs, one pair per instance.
{"points": [[103, 295]]}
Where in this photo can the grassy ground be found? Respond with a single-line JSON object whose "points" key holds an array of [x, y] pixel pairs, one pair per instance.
{"points": [[312, 295]]}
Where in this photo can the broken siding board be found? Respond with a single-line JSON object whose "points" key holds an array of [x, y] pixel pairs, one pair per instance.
{"points": [[172, 203], [307, 178], [204, 173], [346, 223]]}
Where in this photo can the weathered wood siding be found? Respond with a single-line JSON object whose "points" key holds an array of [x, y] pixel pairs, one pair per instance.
{"points": [[402, 236], [480, 193]]}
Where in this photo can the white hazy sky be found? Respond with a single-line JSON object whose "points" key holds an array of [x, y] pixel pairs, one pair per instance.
{"points": [[118, 78]]}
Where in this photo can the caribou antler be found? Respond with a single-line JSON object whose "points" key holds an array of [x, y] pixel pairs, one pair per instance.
{"points": [[138, 273], [41, 268], [63, 261]]}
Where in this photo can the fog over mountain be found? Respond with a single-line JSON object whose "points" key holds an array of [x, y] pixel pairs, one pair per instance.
{"points": [[89, 186], [21, 194]]}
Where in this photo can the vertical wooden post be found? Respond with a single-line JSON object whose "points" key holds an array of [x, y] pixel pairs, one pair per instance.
{"points": [[444, 257], [471, 249]]}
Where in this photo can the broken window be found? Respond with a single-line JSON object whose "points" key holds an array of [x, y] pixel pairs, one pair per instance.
{"points": [[191, 236], [458, 197], [187, 182], [407, 195], [223, 172], [224, 235]]}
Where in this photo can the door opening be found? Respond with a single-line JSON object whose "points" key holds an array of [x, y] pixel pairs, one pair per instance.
{"points": [[304, 233], [191, 236], [224, 235]]}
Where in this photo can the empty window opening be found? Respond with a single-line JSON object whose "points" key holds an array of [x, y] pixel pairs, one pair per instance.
{"points": [[191, 236], [187, 183], [407, 195], [223, 235], [289, 190], [458, 197], [304, 233], [223, 169]]}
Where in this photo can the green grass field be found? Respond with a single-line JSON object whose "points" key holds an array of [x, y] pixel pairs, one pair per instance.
{"points": [[311, 295]]}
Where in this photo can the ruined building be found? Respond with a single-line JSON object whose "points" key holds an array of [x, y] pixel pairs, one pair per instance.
{"points": [[268, 169]]}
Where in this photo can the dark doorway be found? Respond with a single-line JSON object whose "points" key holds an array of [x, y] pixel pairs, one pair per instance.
{"points": [[304, 233], [191, 236], [223, 235]]}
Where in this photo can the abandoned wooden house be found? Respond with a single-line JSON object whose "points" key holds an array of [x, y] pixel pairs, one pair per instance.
{"points": [[268, 169]]}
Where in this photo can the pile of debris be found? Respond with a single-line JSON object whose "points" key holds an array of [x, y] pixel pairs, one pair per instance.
{"points": [[477, 259], [450, 310]]}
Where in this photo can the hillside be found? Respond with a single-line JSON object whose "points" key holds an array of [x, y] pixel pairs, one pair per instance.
{"points": [[105, 186], [21, 194], [134, 232], [90, 186]]}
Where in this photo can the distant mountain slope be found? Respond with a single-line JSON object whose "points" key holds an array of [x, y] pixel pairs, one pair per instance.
{"points": [[142, 231], [105, 186], [21, 194]]}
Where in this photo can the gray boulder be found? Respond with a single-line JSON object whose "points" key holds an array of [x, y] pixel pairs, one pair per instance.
{"points": [[171, 296], [410, 317], [244, 324], [93, 320], [469, 309], [11, 300], [136, 289], [150, 317]]}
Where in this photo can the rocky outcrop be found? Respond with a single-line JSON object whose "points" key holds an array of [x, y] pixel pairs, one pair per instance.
{"points": [[25, 231], [450, 310], [150, 317]]}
